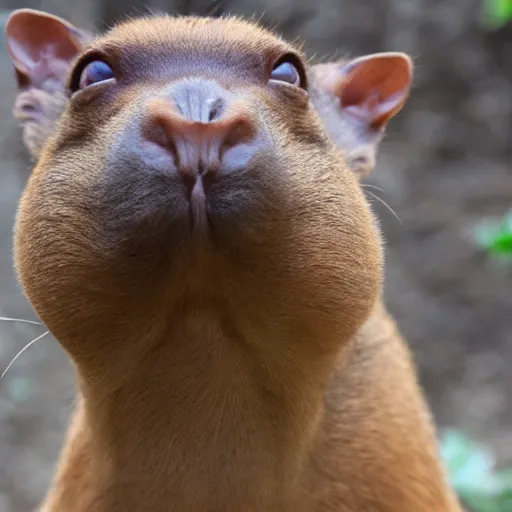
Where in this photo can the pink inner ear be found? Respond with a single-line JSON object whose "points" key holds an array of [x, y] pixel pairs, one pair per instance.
{"points": [[39, 45], [376, 87]]}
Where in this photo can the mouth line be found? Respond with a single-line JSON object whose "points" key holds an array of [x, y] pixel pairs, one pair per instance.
{"points": [[198, 206]]}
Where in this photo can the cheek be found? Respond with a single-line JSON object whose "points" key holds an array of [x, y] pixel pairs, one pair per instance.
{"points": [[336, 253], [70, 267], [60, 243]]}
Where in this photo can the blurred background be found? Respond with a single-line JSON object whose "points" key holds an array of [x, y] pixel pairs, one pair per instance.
{"points": [[444, 166]]}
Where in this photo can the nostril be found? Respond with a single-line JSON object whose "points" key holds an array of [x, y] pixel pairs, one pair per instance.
{"points": [[216, 110], [223, 142], [241, 130], [156, 131]]}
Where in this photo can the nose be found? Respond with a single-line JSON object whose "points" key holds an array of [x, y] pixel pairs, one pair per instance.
{"points": [[198, 122]]}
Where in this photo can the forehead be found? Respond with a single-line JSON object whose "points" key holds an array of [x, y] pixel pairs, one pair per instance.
{"points": [[165, 42]]}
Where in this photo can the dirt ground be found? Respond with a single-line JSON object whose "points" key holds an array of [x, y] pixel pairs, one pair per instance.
{"points": [[445, 164]]}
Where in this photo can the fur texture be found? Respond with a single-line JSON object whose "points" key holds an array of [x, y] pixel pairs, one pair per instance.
{"points": [[251, 367]]}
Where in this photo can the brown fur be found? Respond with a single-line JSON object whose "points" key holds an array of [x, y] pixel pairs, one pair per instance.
{"points": [[250, 368]]}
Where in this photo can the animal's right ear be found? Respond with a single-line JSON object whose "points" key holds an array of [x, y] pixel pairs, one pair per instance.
{"points": [[356, 99], [42, 48]]}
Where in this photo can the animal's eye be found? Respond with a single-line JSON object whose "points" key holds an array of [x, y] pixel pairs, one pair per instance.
{"points": [[96, 71], [289, 69], [286, 72]]}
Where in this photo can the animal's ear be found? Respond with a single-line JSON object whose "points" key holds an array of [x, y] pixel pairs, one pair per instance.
{"points": [[368, 91], [42, 47], [374, 88]]}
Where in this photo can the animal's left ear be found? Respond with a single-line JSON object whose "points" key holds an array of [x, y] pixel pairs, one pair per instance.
{"points": [[374, 88], [368, 92]]}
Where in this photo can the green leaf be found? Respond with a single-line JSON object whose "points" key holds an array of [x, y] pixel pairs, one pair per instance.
{"points": [[466, 464], [472, 475], [486, 232], [495, 236], [505, 479], [496, 13], [502, 243]]}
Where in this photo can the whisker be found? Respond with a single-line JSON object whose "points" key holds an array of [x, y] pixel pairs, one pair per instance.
{"points": [[27, 346], [19, 320], [372, 186], [386, 205], [73, 403]]}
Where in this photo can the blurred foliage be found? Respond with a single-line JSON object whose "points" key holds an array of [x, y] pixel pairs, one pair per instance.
{"points": [[496, 236], [497, 12], [472, 474]]}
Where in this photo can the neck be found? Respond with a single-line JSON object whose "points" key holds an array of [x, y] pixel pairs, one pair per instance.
{"points": [[203, 421]]}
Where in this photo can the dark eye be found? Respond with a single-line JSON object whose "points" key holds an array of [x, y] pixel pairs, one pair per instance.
{"points": [[96, 71], [286, 72]]}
